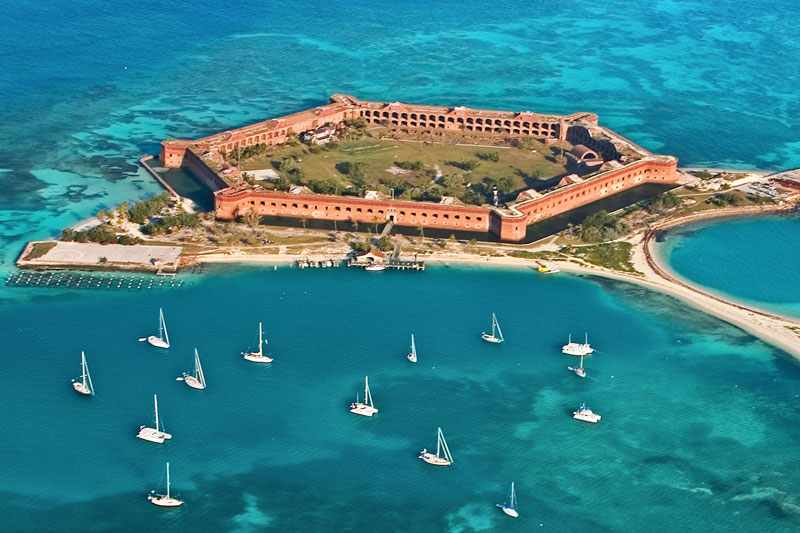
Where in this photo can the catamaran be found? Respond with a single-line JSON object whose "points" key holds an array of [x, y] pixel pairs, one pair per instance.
{"points": [[196, 380], [154, 434], [575, 348], [162, 341], [258, 357], [412, 355], [496, 336], [164, 500], [586, 414], [84, 386], [366, 408], [579, 369], [510, 507], [443, 457]]}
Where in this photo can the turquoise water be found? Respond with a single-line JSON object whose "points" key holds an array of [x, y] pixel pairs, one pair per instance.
{"points": [[699, 424], [752, 259]]}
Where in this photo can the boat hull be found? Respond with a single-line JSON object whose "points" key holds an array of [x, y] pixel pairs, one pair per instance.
{"points": [[491, 338], [576, 349], [375, 268], [435, 460], [256, 358], [586, 417], [163, 501], [153, 435], [411, 357], [192, 382], [362, 409], [510, 511], [81, 388], [158, 342]]}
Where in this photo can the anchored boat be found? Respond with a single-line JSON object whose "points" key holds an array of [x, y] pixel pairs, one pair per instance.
{"points": [[162, 341], [84, 386], [586, 414], [443, 456], [366, 408], [196, 380], [258, 357], [154, 434], [164, 500], [412, 355], [496, 336], [579, 370], [510, 507]]}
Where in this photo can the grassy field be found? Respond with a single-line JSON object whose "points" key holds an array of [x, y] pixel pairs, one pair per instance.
{"points": [[436, 165]]}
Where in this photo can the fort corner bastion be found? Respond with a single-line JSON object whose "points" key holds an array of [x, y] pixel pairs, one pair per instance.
{"points": [[603, 163]]}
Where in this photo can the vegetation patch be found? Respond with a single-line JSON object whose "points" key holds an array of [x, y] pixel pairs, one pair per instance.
{"points": [[612, 255], [40, 248]]}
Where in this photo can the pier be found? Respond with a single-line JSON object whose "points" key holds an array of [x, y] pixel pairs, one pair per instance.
{"points": [[375, 258], [82, 280], [317, 263]]}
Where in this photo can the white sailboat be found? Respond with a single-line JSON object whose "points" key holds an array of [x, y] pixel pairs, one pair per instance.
{"points": [[576, 348], [162, 341], [164, 500], [84, 386], [196, 380], [443, 457], [579, 370], [412, 355], [496, 335], [154, 434], [258, 357], [366, 408], [510, 507]]}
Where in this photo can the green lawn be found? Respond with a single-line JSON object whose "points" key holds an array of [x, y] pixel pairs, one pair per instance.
{"points": [[525, 168]]}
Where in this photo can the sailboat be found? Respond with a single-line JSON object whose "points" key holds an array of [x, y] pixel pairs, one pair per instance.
{"points": [[497, 335], [258, 357], [164, 500], [154, 434], [412, 355], [510, 507], [443, 456], [84, 386], [575, 348], [196, 380], [366, 408], [579, 369], [162, 341]]}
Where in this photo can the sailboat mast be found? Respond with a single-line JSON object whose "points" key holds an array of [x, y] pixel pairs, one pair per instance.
{"points": [[160, 323], [260, 340], [155, 403], [494, 325], [367, 394], [83, 368], [438, 441], [167, 480]]}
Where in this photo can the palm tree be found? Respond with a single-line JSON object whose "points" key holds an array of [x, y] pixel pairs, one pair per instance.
{"points": [[303, 220], [375, 223], [252, 219], [355, 224], [421, 233]]}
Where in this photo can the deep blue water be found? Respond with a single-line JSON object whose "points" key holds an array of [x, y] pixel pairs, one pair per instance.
{"points": [[700, 424], [753, 259]]}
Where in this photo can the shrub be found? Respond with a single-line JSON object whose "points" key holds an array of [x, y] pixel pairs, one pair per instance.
{"points": [[488, 156]]}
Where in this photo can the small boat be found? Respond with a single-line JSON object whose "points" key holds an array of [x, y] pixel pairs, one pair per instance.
{"points": [[366, 408], [510, 507], [196, 380], [154, 434], [443, 456], [84, 386], [579, 369], [164, 500], [258, 357], [162, 341], [496, 336], [575, 348], [586, 414], [412, 355], [374, 267]]}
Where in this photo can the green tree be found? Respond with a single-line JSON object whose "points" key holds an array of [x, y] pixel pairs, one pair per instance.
{"points": [[421, 230], [122, 210], [68, 234], [252, 219]]}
